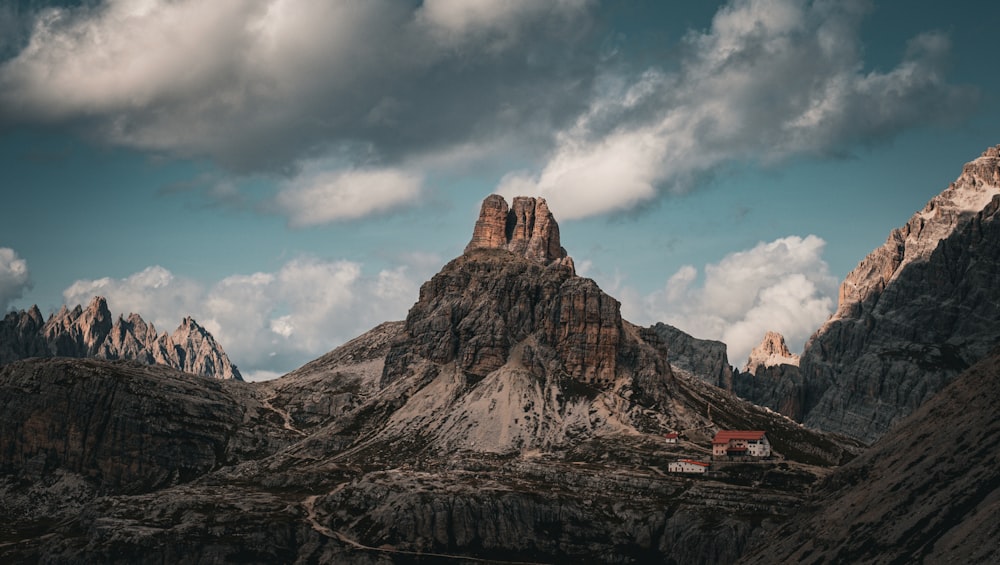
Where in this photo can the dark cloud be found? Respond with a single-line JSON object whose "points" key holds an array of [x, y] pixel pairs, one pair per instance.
{"points": [[260, 86]]}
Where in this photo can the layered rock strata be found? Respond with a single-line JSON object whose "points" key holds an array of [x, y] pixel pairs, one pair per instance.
{"points": [[527, 228]]}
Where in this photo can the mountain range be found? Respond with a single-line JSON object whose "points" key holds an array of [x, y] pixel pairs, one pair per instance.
{"points": [[90, 332], [514, 416]]}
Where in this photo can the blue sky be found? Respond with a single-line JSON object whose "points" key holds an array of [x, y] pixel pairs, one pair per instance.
{"points": [[289, 173]]}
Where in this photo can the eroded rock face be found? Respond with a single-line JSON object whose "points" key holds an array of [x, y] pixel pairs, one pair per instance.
{"points": [[527, 228], [703, 358], [770, 352], [913, 314], [484, 303], [90, 333]]}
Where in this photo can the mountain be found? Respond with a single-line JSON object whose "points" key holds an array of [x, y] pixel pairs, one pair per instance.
{"points": [[926, 492], [770, 352], [92, 333], [513, 416], [911, 316]]}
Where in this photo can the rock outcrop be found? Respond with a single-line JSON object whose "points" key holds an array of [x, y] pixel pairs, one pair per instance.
{"points": [[91, 333], [527, 228], [926, 492], [914, 314], [702, 358], [771, 352]]}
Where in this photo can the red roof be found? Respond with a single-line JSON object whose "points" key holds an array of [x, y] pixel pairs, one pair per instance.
{"points": [[671, 436], [725, 436], [693, 462]]}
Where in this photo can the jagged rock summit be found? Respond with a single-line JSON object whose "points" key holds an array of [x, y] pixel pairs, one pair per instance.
{"points": [[915, 242], [527, 228], [771, 352], [92, 332]]}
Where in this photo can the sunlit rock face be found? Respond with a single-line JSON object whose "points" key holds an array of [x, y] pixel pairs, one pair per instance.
{"points": [[913, 314]]}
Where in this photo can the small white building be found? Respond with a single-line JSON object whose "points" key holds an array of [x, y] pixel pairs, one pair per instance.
{"points": [[688, 466], [671, 437]]}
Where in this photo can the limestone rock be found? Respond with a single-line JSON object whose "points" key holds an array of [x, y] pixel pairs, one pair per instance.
{"points": [[770, 352], [482, 304], [91, 333], [703, 358], [527, 228]]}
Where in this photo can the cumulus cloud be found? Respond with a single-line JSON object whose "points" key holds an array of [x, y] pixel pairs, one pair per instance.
{"points": [[768, 80], [268, 322], [322, 196], [14, 277], [783, 285]]}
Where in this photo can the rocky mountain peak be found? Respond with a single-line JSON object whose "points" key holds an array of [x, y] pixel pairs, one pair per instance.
{"points": [[945, 213], [915, 313], [526, 228], [771, 352]]}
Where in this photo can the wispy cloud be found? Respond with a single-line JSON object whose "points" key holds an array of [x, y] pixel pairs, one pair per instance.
{"points": [[15, 277], [318, 196]]}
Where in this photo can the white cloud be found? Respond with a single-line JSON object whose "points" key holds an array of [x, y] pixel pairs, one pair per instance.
{"points": [[769, 79], [14, 277], [783, 285], [319, 196], [268, 323]]}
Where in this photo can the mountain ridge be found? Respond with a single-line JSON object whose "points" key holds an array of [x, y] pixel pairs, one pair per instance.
{"points": [[92, 333]]}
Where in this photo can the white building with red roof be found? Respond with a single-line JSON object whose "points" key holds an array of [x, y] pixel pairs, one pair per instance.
{"points": [[671, 437], [688, 466], [741, 443]]}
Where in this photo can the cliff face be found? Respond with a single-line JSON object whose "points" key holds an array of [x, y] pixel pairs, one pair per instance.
{"points": [[702, 358], [915, 313], [91, 333]]}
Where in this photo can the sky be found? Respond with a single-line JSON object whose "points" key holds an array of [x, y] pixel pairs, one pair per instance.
{"points": [[289, 173]]}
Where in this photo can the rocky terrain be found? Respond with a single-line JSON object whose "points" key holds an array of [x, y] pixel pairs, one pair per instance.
{"points": [[913, 315], [92, 333], [512, 417], [927, 492]]}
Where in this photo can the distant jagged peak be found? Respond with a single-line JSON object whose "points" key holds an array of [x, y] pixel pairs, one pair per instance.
{"points": [[771, 352], [971, 193], [526, 228], [93, 332]]}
